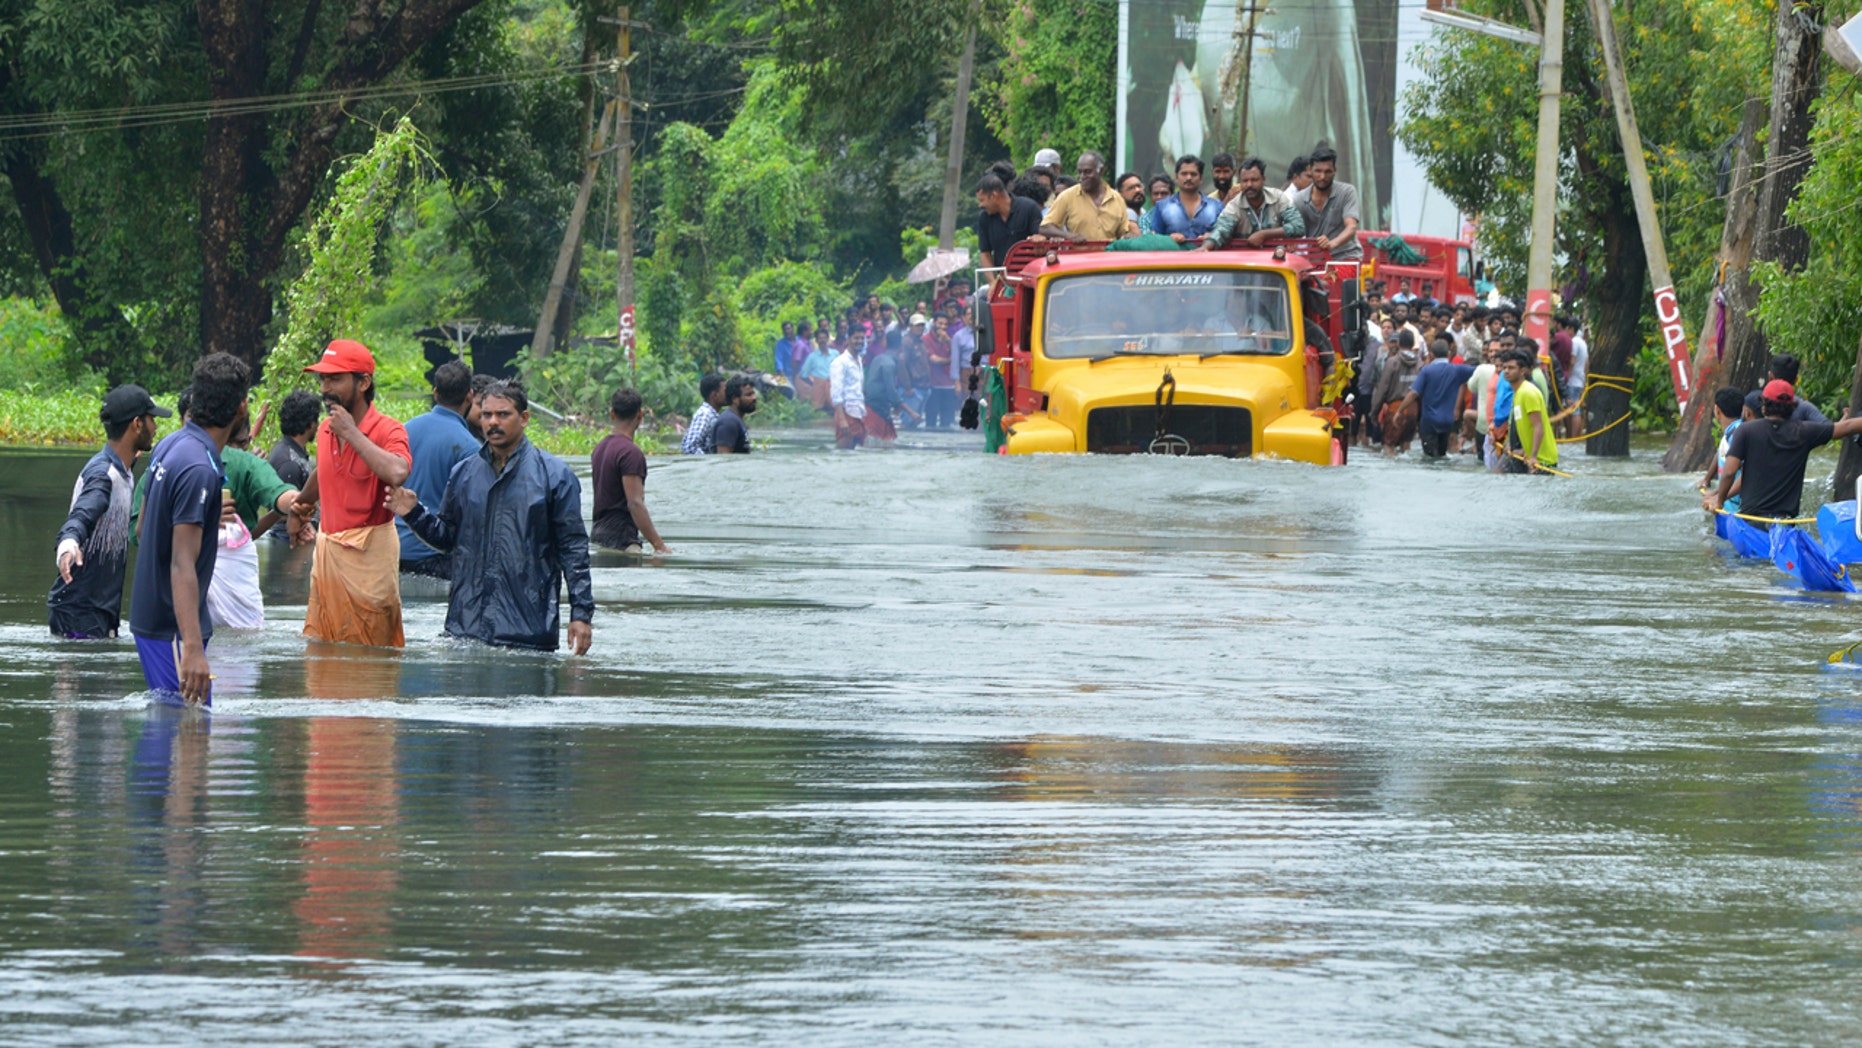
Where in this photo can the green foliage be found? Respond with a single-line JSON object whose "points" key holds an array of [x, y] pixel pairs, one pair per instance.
{"points": [[427, 278], [40, 417], [578, 379], [36, 354], [1817, 313], [328, 298], [862, 60], [792, 291], [712, 337], [1056, 84], [575, 380], [1473, 118]]}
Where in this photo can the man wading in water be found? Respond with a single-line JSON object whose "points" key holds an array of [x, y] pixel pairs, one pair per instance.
{"points": [[1772, 452], [512, 518], [355, 578]]}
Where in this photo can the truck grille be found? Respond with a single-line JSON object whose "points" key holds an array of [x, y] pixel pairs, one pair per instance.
{"points": [[1191, 429]]}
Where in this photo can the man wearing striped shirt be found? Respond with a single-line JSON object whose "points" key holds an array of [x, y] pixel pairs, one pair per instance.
{"points": [[699, 435]]}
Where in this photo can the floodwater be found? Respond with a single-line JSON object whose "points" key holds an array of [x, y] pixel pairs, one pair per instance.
{"points": [[928, 746]]}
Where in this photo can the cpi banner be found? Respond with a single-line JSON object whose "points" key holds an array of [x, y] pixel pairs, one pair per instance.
{"points": [[1321, 71]]}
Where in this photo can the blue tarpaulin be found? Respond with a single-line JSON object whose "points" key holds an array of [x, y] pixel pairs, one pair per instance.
{"points": [[1836, 527], [1797, 555], [1747, 540]]}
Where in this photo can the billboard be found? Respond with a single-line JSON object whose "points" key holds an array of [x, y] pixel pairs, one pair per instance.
{"points": [[1317, 71]]}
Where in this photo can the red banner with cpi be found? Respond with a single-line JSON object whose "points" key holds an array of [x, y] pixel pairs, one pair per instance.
{"points": [[627, 334], [1674, 343]]}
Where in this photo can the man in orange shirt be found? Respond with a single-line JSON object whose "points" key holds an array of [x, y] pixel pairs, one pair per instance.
{"points": [[355, 579]]}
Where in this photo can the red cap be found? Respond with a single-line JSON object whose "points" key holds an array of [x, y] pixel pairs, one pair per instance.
{"points": [[1780, 390], [345, 357]]}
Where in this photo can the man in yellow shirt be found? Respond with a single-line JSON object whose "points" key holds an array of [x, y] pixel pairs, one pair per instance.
{"points": [[1537, 448], [1090, 210]]}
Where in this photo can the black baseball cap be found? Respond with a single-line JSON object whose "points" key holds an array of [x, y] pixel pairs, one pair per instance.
{"points": [[128, 403]]}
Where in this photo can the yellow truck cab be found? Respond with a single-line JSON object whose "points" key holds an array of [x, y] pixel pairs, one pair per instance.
{"points": [[1170, 352]]}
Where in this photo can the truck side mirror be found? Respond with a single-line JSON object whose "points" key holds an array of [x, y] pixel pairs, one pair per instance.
{"points": [[1480, 270]]}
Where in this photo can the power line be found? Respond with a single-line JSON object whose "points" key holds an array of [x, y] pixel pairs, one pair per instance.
{"points": [[39, 125]]}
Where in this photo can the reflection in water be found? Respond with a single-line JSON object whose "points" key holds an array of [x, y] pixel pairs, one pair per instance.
{"points": [[351, 848], [169, 810], [351, 671], [1106, 770]]}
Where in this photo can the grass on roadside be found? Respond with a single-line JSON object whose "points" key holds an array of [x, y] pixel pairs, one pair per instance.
{"points": [[34, 419]]}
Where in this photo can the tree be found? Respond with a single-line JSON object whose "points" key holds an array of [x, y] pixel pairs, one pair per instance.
{"points": [[1816, 311], [1471, 124], [261, 168], [1055, 84]]}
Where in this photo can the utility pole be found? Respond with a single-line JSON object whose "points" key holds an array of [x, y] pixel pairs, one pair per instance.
{"points": [[1667, 306], [624, 205], [959, 119], [1551, 45], [1537, 321], [1246, 47], [543, 340]]}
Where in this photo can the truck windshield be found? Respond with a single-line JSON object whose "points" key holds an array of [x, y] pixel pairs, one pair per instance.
{"points": [[1162, 312]]}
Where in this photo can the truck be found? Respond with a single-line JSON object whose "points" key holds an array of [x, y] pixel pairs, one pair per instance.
{"points": [[1447, 264], [1239, 352]]}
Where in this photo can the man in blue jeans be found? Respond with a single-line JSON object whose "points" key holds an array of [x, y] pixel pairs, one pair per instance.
{"points": [[1438, 387]]}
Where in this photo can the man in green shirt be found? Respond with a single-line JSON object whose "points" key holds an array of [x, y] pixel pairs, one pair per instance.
{"points": [[258, 492], [1531, 427]]}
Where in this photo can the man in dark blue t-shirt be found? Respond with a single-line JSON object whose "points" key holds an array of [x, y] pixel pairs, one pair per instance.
{"points": [[179, 537], [1438, 386]]}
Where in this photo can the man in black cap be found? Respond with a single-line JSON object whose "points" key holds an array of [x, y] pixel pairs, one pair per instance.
{"points": [[86, 601]]}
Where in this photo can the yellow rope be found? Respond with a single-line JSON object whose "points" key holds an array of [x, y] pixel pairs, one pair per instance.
{"points": [[1724, 512], [1624, 384], [1767, 520], [1542, 466]]}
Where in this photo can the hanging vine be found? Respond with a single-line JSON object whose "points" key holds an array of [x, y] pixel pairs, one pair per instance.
{"points": [[326, 300]]}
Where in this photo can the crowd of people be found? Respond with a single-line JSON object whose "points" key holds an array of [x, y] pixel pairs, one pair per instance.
{"points": [[1211, 203], [1766, 438], [458, 493], [875, 369], [1461, 379]]}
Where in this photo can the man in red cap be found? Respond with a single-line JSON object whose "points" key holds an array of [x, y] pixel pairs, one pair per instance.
{"points": [[355, 580], [1770, 454]]}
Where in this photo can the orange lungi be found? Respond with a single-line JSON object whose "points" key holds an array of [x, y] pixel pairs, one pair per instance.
{"points": [[355, 588]]}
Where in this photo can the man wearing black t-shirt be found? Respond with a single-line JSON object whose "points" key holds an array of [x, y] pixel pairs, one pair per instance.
{"points": [[1006, 220], [1770, 453], [731, 433]]}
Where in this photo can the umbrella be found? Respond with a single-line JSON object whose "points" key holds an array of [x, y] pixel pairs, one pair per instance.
{"points": [[939, 262]]}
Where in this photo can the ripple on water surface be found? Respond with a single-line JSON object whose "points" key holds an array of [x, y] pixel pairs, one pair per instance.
{"points": [[977, 750]]}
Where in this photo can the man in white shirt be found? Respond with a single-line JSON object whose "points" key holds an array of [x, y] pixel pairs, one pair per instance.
{"points": [[1574, 382], [847, 392]]}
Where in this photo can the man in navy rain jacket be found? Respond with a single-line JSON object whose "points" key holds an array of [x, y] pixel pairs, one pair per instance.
{"points": [[512, 518]]}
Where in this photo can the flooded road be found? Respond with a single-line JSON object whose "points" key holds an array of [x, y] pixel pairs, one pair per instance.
{"points": [[930, 745]]}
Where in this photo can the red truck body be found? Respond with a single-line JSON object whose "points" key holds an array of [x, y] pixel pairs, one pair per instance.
{"points": [[1448, 265]]}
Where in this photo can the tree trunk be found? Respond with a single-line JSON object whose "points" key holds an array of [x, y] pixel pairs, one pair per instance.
{"points": [[234, 307], [1795, 81], [959, 120], [1693, 443], [1616, 303], [1849, 460], [249, 207]]}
